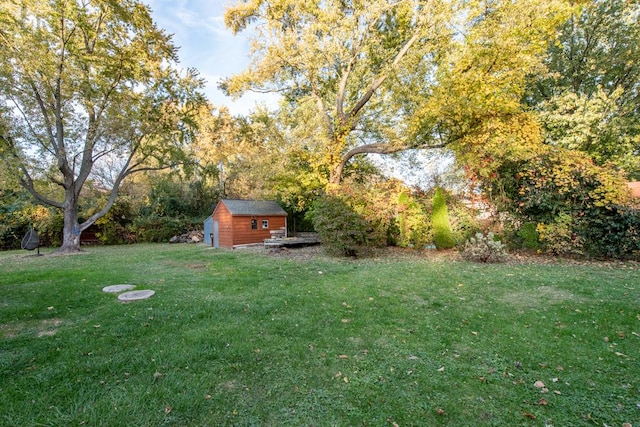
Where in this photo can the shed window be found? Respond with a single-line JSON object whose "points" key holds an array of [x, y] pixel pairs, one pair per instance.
{"points": [[254, 224], [265, 224]]}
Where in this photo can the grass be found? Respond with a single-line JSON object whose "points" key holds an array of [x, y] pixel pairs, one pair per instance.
{"points": [[238, 338]]}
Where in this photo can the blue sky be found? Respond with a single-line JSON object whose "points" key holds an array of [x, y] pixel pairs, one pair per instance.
{"points": [[206, 44]]}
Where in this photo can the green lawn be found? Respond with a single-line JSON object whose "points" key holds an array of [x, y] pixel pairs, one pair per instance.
{"points": [[239, 338]]}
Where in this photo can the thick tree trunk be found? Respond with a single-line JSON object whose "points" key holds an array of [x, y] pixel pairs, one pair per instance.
{"points": [[71, 230]]}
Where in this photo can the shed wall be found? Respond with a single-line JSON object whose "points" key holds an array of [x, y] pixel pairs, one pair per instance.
{"points": [[236, 230], [243, 234], [225, 229]]}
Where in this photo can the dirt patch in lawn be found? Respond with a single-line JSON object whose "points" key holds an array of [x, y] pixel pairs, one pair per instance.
{"points": [[543, 295], [42, 328]]}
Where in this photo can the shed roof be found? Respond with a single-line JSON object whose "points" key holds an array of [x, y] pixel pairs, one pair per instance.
{"points": [[253, 207]]}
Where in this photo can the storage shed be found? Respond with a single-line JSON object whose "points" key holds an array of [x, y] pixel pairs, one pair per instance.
{"points": [[243, 222]]}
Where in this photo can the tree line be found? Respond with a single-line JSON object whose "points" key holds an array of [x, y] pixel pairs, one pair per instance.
{"points": [[536, 100]]}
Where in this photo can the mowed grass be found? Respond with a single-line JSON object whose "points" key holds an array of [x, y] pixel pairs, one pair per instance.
{"points": [[240, 338]]}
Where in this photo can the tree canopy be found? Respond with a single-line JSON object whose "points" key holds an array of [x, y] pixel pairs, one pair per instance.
{"points": [[589, 98], [385, 76], [89, 90]]}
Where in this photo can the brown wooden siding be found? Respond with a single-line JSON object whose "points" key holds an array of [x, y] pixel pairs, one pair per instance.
{"points": [[243, 234], [225, 222], [236, 230]]}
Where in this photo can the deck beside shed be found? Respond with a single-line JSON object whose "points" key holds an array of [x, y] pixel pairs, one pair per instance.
{"points": [[309, 239]]}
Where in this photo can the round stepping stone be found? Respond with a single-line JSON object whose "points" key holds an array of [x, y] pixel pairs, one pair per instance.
{"points": [[117, 288], [136, 295]]}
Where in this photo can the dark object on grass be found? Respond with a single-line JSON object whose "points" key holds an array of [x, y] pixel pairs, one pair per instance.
{"points": [[31, 241]]}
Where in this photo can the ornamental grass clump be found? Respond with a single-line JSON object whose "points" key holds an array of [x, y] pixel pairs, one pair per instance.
{"points": [[484, 248]]}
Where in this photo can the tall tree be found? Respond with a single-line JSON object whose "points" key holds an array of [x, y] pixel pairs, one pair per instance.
{"points": [[373, 77], [589, 99], [88, 85]]}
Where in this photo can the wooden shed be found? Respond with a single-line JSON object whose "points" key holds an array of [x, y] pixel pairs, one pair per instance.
{"points": [[243, 222]]}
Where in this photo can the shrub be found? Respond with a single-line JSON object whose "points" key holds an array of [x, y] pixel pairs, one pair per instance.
{"points": [[613, 233], [529, 235], [341, 230], [559, 237], [484, 248], [442, 235], [157, 229], [410, 226]]}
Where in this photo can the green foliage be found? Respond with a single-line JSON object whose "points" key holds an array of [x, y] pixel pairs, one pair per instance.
{"points": [[589, 99], [400, 76], [529, 235], [571, 199], [89, 89], [484, 248], [155, 228], [442, 235], [411, 225], [613, 232], [463, 219], [560, 237], [341, 230], [113, 227], [18, 214]]}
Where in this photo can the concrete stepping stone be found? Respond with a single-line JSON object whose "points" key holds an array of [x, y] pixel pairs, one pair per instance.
{"points": [[135, 295], [114, 289]]}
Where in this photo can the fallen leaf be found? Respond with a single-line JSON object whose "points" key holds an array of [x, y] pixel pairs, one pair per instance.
{"points": [[543, 402], [482, 379], [343, 356], [440, 411], [338, 375], [529, 415], [167, 410], [557, 392], [207, 396], [345, 320], [345, 379], [621, 334], [538, 384], [441, 369], [617, 353], [555, 380], [474, 333], [626, 425]]}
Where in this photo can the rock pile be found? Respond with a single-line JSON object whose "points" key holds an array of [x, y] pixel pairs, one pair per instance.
{"points": [[193, 236]]}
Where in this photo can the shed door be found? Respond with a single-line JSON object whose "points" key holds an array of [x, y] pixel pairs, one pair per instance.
{"points": [[216, 235], [207, 232]]}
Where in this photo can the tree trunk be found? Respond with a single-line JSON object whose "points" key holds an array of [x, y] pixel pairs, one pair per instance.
{"points": [[71, 230]]}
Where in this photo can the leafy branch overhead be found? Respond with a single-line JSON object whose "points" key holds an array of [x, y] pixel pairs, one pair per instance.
{"points": [[393, 75]]}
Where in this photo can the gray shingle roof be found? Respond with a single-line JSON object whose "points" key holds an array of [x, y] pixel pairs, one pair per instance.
{"points": [[253, 207]]}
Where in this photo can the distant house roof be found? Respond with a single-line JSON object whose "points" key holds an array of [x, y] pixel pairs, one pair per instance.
{"points": [[253, 207]]}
